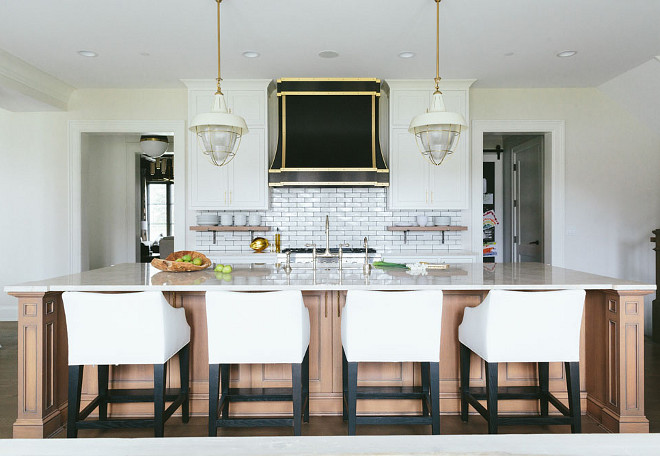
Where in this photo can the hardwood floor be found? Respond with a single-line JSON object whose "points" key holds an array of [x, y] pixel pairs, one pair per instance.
{"points": [[317, 425]]}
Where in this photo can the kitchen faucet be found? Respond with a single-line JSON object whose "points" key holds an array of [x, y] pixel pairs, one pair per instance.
{"points": [[327, 253]]}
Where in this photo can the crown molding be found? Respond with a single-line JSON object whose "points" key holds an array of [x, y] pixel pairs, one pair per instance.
{"points": [[21, 77]]}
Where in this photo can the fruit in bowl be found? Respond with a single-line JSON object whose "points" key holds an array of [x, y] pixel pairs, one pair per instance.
{"points": [[182, 261]]}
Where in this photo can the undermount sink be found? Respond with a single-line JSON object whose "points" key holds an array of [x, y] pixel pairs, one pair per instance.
{"points": [[351, 257]]}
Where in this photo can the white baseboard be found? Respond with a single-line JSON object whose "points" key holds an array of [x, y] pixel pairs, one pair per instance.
{"points": [[8, 313]]}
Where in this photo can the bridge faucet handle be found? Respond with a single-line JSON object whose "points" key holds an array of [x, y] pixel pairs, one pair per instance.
{"points": [[311, 245], [344, 245]]}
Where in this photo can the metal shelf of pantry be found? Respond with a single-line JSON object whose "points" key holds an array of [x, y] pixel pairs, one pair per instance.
{"points": [[215, 229], [441, 228]]}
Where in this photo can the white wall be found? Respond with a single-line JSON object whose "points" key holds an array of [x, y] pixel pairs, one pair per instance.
{"points": [[34, 178], [612, 184], [109, 201]]}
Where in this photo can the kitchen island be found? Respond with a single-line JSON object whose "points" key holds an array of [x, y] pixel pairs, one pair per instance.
{"points": [[612, 350]]}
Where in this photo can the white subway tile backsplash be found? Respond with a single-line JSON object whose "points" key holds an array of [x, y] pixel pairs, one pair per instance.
{"points": [[354, 213]]}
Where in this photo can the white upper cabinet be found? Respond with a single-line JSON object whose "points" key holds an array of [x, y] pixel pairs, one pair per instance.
{"points": [[414, 182], [243, 183]]}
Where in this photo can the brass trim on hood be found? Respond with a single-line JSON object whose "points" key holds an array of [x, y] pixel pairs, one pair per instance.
{"points": [[281, 94], [329, 79], [315, 184]]}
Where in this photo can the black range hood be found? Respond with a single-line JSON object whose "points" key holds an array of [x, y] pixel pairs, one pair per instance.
{"points": [[328, 134]]}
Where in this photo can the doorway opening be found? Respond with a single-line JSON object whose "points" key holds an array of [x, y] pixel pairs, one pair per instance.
{"points": [[513, 198], [127, 200], [112, 246], [537, 149]]}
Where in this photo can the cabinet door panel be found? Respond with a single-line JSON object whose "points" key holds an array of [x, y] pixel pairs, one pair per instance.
{"points": [[407, 104], [248, 172], [320, 351], [209, 185], [249, 104], [409, 173], [449, 181], [242, 184]]}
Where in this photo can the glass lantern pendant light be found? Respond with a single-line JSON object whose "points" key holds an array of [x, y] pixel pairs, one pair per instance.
{"points": [[219, 131], [437, 131]]}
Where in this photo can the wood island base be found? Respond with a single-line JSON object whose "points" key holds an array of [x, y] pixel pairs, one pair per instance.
{"points": [[611, 364]]}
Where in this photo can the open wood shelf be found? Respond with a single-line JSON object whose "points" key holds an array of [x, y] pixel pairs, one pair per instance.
{"points": [[216, 228], [441, 228], [428, 228]]}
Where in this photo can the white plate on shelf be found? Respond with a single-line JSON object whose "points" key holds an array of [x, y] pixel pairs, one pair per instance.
{"points": [[401, 224], [207, 224]]}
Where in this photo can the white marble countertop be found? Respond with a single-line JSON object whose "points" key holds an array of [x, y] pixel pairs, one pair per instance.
{"points": [[476, 276], [355, 445]]}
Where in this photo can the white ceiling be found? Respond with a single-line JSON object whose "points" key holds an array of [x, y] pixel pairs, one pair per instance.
{"points": [[505, 43]]}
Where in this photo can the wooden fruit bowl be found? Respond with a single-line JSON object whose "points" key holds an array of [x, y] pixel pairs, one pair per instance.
{"points": [[170, 264]]}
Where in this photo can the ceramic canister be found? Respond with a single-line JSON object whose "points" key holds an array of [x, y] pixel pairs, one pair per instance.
{"points": [[226, 219]]}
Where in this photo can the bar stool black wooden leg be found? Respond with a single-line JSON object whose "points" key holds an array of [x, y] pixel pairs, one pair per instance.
{"points": [[344, 382], [159, 399], [424, 367], [491, 392], [224, 385], [305, 386], [214, 386], [573, 386], [296, 380], [465, 380], [75, 388], [544, 384], [103, 374], [434, 379], [352, 397], [184, 375]]}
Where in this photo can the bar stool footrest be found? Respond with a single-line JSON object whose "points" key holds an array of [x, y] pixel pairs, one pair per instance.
{"points": [[115, 423], [254, 422], [140, 395], [394, 419], [258, 394], [391, 392]]}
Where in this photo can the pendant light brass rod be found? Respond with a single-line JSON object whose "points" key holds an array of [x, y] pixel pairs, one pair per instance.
{"points": [[219, 91], [437, 46]]}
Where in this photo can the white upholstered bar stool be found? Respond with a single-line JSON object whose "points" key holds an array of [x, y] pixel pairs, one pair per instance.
{"points": [[126, 328], [257, 328], [379, 326], [516, 326]]}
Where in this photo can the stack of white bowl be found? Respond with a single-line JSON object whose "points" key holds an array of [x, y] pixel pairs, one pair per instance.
{"points": [[207, 219]]}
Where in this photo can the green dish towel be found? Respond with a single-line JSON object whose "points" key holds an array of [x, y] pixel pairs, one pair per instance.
{"points": [[386, 265]]}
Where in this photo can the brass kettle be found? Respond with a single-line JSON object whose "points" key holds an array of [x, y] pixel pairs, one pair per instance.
{"points": [[259, 244]]}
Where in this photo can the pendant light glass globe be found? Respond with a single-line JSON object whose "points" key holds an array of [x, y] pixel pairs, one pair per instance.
{"points": [[437, 131], [219, 131]]}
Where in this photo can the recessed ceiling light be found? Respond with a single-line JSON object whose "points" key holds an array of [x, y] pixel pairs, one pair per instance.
{"points": [[508, 54], [566, 53], [145, 54], [328, 54], [251, 54], [407, 55], [88, 53]]}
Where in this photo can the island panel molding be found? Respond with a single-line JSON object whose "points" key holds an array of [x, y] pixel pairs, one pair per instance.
{"points": [[612, 381]]}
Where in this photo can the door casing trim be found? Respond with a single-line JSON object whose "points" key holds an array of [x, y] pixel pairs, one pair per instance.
{"points": [[554, 134]]}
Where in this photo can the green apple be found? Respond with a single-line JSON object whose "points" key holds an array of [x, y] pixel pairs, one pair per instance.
{"points": [[227, 269], [197, 261], [187, 258], [218, 267], [179, 260]]}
